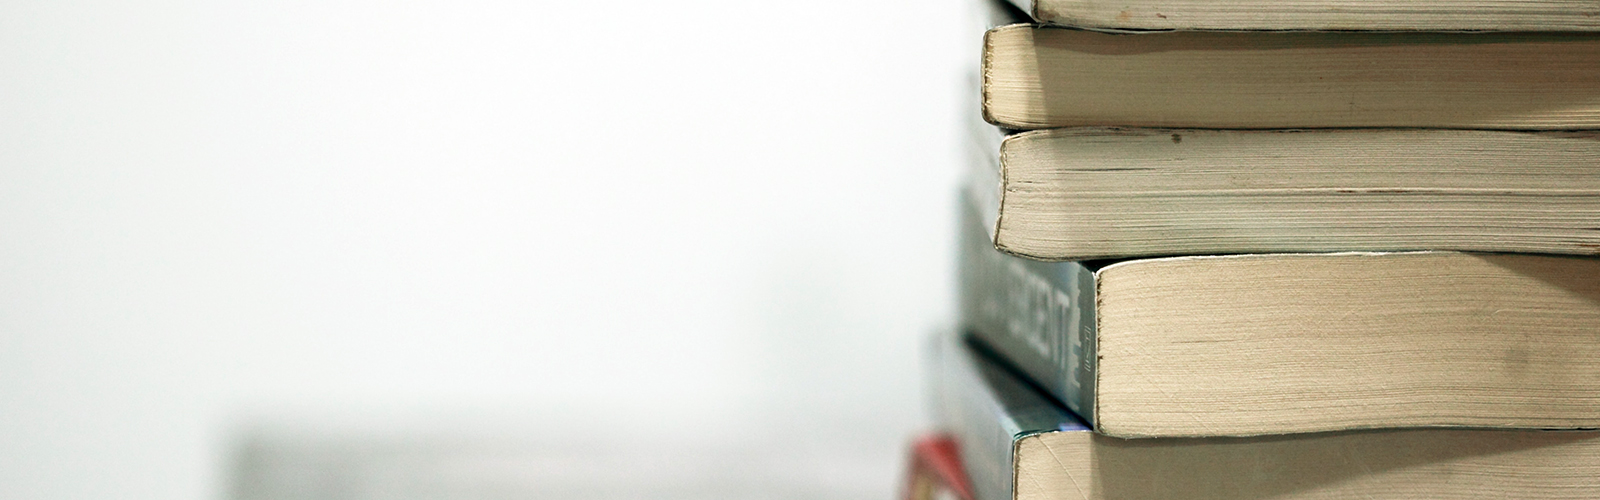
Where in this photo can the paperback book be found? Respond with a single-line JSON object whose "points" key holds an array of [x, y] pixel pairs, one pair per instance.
{"points": [[1037, 76], [1111, 192], [1335, 15], [1240, 345], [1017, 444]]}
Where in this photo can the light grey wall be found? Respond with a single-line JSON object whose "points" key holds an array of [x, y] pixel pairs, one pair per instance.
{"points": [[659, 224]]}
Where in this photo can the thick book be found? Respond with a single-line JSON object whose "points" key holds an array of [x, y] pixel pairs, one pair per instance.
{"points": [[1043, 77], [1104, 192], [1017, 444], [1337, 15], [1239, 345]]}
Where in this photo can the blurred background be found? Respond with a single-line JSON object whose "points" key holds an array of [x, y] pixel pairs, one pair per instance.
{"points": [[428, 249]]}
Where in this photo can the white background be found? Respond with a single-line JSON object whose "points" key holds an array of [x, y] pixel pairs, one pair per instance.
{"points": [[654, 223]]}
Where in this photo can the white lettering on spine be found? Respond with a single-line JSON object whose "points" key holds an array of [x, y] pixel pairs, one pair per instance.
{"points": [[1041, 315]]}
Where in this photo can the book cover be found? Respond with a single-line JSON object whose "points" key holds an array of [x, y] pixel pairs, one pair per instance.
{"points": [[935, 471]]}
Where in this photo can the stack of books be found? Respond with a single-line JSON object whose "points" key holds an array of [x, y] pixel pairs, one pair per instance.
{"points": [[1267, 249]]}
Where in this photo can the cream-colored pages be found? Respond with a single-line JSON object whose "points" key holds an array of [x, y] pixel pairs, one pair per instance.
{"points": [[1410, 15], [1289, 343], [1041, 77], [1401, 465], [1096, 192]]}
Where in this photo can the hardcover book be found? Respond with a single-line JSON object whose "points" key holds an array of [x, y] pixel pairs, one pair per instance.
{"points": [[1017, 444], [1239, 345]]}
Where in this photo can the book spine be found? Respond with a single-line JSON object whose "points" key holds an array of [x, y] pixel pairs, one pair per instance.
{"points": [[988, 409], [969, 410], [1038, 315]]}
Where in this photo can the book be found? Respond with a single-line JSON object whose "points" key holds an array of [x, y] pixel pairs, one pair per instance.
{"points": [[1256, 344], [934, 471], [1338, 15], [1017, 444], [1104, 192], [1044, 77]]}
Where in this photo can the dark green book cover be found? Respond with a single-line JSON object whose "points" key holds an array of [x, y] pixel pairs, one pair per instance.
{"points": [[1039, 315]]}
